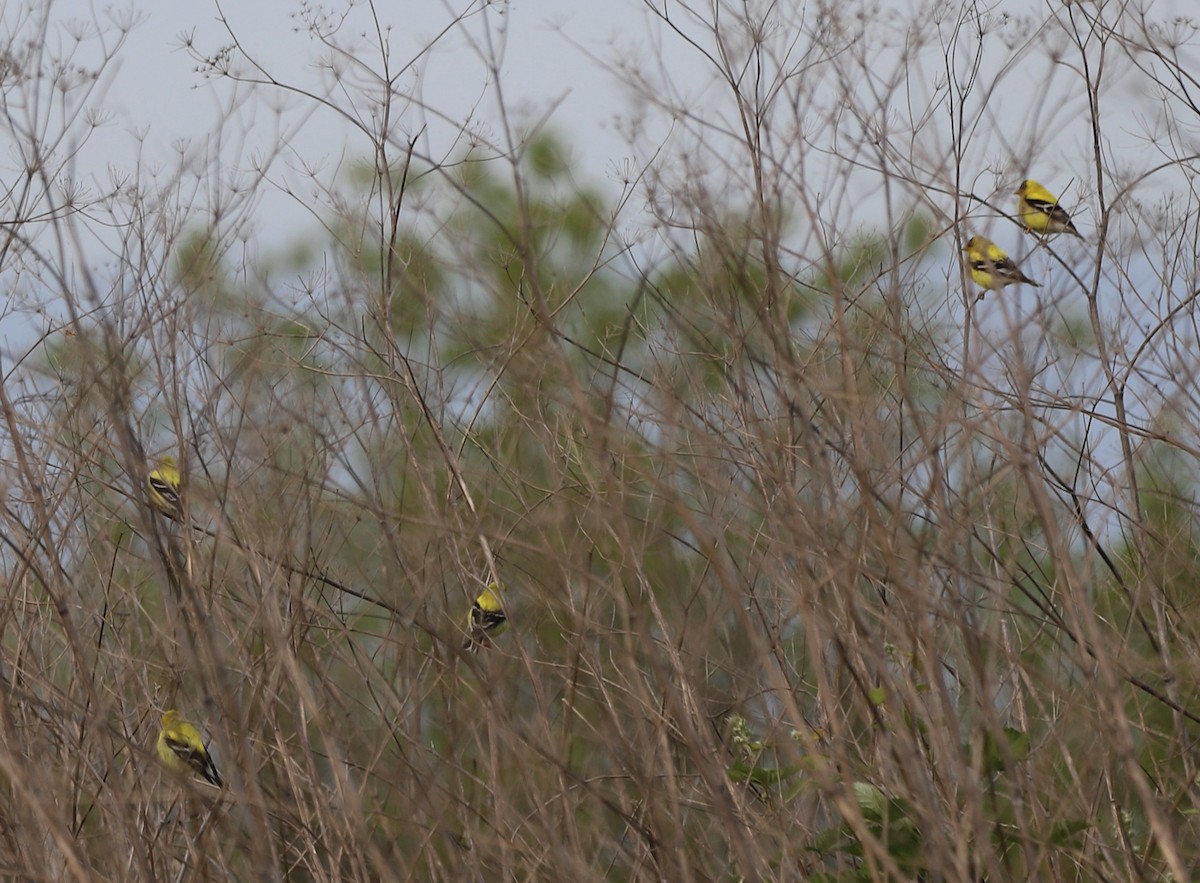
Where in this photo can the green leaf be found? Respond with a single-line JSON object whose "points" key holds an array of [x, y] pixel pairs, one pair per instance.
{"points": [[1013, 748]]}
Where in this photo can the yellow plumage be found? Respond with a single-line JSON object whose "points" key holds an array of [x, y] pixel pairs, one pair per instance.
{"points": [[991, 267], [486, 620], [164, 484], [1039, 211], [181, 748]]}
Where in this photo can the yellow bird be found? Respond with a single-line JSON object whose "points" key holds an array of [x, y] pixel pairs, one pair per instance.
{"points": [[991, 267], [486, 620], [164, 483], [181, 749], [1039, 211]]}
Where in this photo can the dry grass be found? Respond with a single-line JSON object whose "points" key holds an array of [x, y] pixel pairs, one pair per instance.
{"points": [[816, 568]]}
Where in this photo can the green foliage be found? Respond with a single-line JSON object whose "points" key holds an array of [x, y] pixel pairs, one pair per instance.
{"points": [[1001, 754], [750, 765]]}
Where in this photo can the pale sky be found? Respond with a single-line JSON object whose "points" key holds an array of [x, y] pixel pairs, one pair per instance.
{"points": [[160, 105], [539, 63], [157, 96]]}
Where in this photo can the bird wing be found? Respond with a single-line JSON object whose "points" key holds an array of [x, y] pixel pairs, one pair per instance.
{"points": [[482, 623], [196, 758], [165, 488], [486, 619], [1050, 209], [1002, 268]]}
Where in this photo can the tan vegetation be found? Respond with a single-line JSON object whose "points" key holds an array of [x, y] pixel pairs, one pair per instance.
{"points": [[814, 566]]}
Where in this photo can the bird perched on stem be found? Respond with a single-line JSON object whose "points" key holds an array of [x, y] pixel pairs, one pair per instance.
{"points": [[486, 620], [1039, 211], [991, 267], [164, 483], [181, 749]]}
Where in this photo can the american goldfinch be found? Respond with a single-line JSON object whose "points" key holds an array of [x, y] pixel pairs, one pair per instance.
{"points": [[486, 620], [164, 483], [1039, 211], [181, 748], [990, 267]]}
